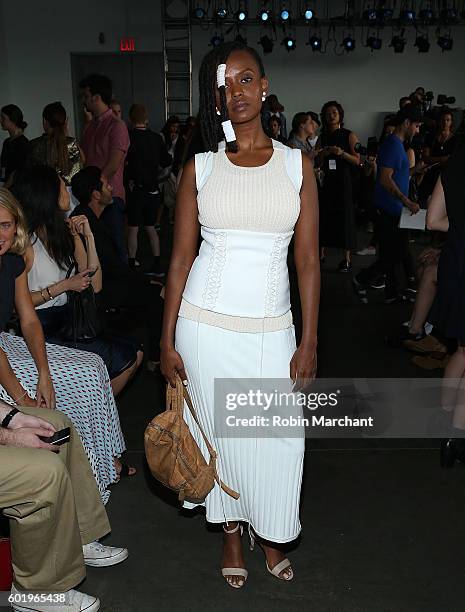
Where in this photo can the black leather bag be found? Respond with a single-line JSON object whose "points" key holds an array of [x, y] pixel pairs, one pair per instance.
{"points": [[84, 320]]}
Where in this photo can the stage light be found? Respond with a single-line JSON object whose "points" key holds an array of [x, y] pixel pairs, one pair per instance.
{"points": [[264, 15], [308, 14], [284, 15], [374, 43], [427, 15], [266, 43], [422, 43], [348, 43], [398, 43], [241, 15], [216, 41], [445, 42], [407, 15], [315, 43], [289, 43], [222, 12], [199, 13], [370, 15]]}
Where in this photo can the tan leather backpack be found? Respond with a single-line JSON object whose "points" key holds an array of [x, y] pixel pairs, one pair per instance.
{"points": [[173, 455]]}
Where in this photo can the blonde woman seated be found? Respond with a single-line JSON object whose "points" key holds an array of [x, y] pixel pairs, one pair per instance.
{"points": [[38, 375]]}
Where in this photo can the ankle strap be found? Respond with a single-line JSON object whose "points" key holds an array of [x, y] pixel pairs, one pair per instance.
{"points": [[238, 526]]}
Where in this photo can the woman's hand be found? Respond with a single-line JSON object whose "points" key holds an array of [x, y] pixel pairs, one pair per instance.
{"points": [[171, 363], [45, 393], [27, 402], [429, 256], [337, 151], [80, 225], [79, 282], [303, 366]]}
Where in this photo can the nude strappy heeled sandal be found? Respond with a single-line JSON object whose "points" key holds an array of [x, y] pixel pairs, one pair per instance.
{"points": [[235, 571], [279, 567]]}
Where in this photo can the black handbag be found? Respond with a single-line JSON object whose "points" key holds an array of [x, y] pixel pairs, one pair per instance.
{"points": [[84, 320]]}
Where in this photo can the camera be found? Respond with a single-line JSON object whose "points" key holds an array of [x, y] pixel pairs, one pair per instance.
{"points": [[443, 99], [371, 150], [428, 97]]}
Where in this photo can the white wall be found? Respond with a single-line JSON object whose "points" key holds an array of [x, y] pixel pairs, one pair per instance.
{"points": [[367, 84], [40, 36]]}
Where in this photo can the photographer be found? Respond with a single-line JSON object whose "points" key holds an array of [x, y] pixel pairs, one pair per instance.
{"points": [[55, 511]]}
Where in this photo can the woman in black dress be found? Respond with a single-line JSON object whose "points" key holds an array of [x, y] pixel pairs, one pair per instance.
{"points": [[437, 151], [16, 147], [446, 213], [337, 157]]}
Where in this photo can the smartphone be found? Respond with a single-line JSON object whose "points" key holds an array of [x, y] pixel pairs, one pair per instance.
{"points": [[58, 438], [91, 273]]}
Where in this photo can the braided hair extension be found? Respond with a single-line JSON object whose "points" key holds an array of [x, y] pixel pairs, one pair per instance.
{"points": [[210, 121]]}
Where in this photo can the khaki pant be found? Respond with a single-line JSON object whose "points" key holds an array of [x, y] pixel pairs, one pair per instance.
{"points": [[54, 508]]}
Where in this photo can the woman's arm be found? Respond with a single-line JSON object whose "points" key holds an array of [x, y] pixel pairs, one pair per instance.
{"points": [[86, 257], [34, 337], [40, 297], [352, 157], [307, 261], [185, 243], [12, 385], [436, 215]]}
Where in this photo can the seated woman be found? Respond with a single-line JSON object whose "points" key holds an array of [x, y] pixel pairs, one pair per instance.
{"points": [[57, 246], [28, 366]]}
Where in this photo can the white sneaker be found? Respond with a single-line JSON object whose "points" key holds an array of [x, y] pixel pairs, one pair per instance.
{"points": [[370, 250], [98, 555], [75, 601]]}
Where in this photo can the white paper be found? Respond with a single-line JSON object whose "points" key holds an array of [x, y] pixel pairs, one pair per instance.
{"points": [[416, 221]]}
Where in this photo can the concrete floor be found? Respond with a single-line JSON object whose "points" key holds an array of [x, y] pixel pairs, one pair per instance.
{"points": [[383, 525]]}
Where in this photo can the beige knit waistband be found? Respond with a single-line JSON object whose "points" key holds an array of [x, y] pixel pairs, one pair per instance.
{"points": [[234, 323]]}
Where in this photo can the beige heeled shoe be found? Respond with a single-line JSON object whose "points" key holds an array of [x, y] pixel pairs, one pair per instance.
{"points": [[235, 571], [283, 565]]}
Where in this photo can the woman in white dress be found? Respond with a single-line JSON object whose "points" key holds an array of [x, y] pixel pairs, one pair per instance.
{"points": [[227, 311]]}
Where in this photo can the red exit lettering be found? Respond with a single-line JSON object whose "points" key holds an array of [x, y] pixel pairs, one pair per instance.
{"points": [[127, 44]]}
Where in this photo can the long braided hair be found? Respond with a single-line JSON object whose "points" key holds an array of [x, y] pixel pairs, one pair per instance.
{"points": [[210, 122]]}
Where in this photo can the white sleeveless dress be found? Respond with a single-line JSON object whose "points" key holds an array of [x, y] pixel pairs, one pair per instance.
{"points": [[235, 322]]}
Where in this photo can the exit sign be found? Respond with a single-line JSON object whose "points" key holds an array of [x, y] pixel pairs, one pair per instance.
{"points": [[127, 44]]}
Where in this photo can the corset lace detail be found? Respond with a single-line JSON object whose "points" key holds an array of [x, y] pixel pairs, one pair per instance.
{"points": [[272, 278], [214, 273]]}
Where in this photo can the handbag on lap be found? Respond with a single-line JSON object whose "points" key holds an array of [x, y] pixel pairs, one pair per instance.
{"points": [[173, 455]]}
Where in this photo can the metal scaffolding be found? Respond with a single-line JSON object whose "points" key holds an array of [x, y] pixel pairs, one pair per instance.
{"points": [[177, 49]]}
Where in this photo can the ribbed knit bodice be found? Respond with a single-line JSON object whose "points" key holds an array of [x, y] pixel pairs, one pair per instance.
{"points": [[247, 217], [258, 199]]}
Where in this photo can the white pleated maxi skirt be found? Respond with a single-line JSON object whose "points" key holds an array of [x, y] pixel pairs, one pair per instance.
{"points": [[265, 471]]}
